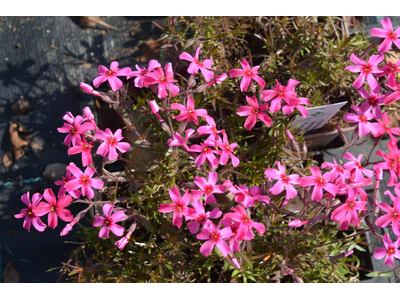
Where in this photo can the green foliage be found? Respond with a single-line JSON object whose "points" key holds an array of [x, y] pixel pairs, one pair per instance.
{"points": [[309, 49]]}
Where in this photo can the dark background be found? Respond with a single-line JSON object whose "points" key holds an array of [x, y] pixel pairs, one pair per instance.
{"points": [[43, 59]]}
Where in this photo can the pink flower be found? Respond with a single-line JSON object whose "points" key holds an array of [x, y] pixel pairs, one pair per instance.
{"points": [[241, 216], [86, 149], [214, 237], [164, 81], [337, 169], [218, 79], [248, 196], [288, 109], [88, 89], [178, 140], [355, 168], [121, 243], [56, 208], [248, 74], [227, 151], [235, 228], [75, 129], [111, 143], [200, 216], [393, 213], [111, 76], [284, 181], [395, 96], [374, 100], [208, 187], [388, 34], [141, 72], [84, 181], [196, 65], [109, 221], [206, 153], [390, 250], [390, 163], [65, 179], [281, 92], [347, 213], [366, 70], [33, 212], [154, 107], [390, 69], [179, 206], [363, 115], [188, 113], [319, 182], [253, 112], [89, 116], [384, 127], [298, 223], [68, 227], [211, 129]]}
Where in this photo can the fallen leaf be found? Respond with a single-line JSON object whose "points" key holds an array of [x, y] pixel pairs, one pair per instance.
{"points": [[22, 106], [94, 21], [10, 274], [7, 159], [16, 141], [87, 65]]}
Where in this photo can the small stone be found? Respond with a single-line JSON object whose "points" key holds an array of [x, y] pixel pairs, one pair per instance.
{"points": [[54, 172]]}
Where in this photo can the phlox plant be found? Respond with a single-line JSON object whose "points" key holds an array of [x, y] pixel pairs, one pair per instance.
{"points": [[216, 200]]}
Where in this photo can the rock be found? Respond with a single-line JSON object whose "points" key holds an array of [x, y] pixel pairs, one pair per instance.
{"points": [[54, 172], [10, 274], [36, 146], [22, 106]]}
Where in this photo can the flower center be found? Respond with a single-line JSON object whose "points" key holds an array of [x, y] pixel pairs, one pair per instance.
{"points": [[111, 141], [209, 189], [107, 222], [162, 79], [190, 112], [30, 213], [249, 73], [256, 110], [73, 130]]}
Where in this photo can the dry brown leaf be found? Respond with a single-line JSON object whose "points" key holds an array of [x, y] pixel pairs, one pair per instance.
{"points": [[11, 274], [16, 141], [94, 21], [7, 159]]}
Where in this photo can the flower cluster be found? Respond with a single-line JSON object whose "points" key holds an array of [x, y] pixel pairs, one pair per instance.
{"points": [[213, 150]]}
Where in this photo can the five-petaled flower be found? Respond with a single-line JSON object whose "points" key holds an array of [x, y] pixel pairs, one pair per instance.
{"points": [[111, 143], [248, 73], [284, 181], [110, 75], [208, 188], [390, 250], [56, 208], [253, 112], [109, 221], [319, 182], [387, 34], [141, 72], [188, 113], [215, 237], [196, 64], [366, 70], [178, 207], [164, 81], [83, 181], [33, 212]]}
